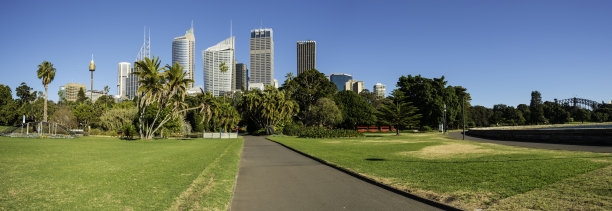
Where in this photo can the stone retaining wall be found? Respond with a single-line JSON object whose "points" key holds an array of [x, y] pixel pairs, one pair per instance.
{"points": [[599, 137]]}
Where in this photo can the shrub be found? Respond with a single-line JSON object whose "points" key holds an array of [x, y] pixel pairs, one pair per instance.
{"points": [[427, 129], [321, 132], [292, 129], [128, 131]]}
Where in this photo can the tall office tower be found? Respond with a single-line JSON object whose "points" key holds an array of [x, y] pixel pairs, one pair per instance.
{"points": [[241, 76], [183, 52], [132, 80], [122, 77], [261, 56], [354, 85], [216, 82], [340, 79], [306, 56], [380, 90], [71, 91]]}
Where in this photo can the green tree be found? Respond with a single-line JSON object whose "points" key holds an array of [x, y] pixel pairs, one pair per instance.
{"points": [[46, 72], [81, 98], [326, 113], [106, 90], [555, 113], [399, 113], [116, 117], [306, 89], [25, 94], [164, 89], [480, 115], [85, 114], [524, 109], [7, 106], [355, 110], [536, 108], [267, 109]]}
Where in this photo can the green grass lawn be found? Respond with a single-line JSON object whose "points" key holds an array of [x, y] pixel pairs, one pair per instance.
{"points": [[113, 174], [469, 174]]}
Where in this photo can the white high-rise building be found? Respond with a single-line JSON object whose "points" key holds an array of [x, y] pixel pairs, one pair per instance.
{"points": [[261, 52], [380, 90], [216, 82], [183, 52], [354, 85], [132, 80], [122, 78]]}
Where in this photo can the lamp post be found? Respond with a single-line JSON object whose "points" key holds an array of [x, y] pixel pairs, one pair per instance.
{"points": [[444, 122], [463, 110]]}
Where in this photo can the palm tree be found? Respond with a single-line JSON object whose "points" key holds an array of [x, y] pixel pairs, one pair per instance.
{"points": [[289, 76], [106, 89], [223, 68], [46, 72]]}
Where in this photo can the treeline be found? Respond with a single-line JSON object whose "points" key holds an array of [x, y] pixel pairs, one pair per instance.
{"points": [[537, 112]]}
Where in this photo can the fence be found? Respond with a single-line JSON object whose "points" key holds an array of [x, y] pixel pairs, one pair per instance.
{"points": [[220, 135]]}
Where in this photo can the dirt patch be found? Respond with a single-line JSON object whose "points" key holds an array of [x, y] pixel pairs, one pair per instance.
{"points": [[451, 150]]}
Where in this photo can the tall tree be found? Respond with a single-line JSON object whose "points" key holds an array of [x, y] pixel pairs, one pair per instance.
{"points": [[46, 72], [326, 113], [160, 95], [399, 113], [536, 108], [81, 96], [355, 109], [7, 106], [306, 89], [267, 109], [106, 89], [25, 94]]}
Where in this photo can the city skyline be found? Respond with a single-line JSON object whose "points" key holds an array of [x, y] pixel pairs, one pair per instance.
{"points": [[499, 51]]}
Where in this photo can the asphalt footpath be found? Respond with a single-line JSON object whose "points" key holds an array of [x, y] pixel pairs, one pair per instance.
{"points": [[538, 145], [272, 177]]}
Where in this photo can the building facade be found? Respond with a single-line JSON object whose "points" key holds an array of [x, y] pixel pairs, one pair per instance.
{"points": [[240, 76], [183, 52], [261, 51], [71, 91], [94, 94], [340, 79], [216, 82], [306, 56], [132, 80], [354, 85], [123, 72], [380, 90]]}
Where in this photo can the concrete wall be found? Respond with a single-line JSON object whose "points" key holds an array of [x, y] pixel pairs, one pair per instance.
{"points": [[600, 137]]}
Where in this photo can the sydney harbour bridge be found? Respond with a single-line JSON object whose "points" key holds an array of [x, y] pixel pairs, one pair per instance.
{"points": [[580, 102]]}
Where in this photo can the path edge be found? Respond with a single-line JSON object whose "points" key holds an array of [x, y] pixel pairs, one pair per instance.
{"points": [[371, 181]]}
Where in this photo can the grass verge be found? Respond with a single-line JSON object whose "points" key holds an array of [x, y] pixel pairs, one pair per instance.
{"points": [[108, 173], [464, 174]]}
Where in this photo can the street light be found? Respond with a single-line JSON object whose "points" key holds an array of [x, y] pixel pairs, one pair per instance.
{"points": [[444, 122], [463, 110]]}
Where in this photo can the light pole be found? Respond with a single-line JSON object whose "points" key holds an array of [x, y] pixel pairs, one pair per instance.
{"points": [[463, 110], [444, 122]]}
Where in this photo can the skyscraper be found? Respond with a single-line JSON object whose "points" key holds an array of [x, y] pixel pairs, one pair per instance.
{"points": [[240, 79], [306, 56], [132, 80], [261, 50], [122, 78], [340, 79], [380, 90], [183, 52], [215, 81]]}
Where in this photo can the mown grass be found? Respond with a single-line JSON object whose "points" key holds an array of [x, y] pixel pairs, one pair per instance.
{"points": [[462, 173], [113, 174]]}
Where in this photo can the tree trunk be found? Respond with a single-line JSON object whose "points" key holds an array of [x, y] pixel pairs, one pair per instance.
{"points": [[396, 130], [45, 109]]}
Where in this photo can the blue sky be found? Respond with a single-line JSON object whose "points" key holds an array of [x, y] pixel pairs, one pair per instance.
{"points": [[499, 50]]}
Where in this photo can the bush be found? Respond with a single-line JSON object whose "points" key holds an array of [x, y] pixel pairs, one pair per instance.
{"points": [[320, 132], [292, 129], [128, 131], [427, 129]]}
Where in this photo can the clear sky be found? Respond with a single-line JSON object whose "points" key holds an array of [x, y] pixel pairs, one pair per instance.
{"points": [[499, 50]]}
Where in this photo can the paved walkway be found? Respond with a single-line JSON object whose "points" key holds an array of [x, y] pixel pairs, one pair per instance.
{"points": [[272, 177], [586, 148]]}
